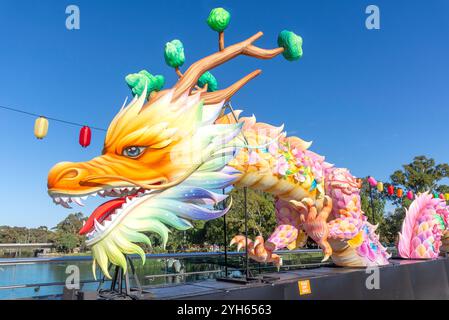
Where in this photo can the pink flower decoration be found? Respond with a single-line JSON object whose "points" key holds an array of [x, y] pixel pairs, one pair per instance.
{"points": [[253, 158], [281, 166], [300, 177], [273, 148]]}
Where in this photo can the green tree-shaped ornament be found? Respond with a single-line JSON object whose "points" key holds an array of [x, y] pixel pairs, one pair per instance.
{"points": [[292, 44], [218, 19], [210, 80], [174, 53], [136, 82]]}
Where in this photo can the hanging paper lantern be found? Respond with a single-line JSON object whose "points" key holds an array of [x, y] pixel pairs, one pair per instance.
{"points": [[399, 192], [441, 196], [85, 136], [380, 186], [410, 195], [446, 196], [372, 181], [390, 190], [435, 195], [40, 127]]}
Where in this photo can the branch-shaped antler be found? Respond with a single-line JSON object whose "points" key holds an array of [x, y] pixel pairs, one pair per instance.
{"points": [[191, 76], [189, 79]]}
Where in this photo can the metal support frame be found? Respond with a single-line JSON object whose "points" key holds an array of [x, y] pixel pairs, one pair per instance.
{"points": [[225, 240], [248, 275], [120, 285]]}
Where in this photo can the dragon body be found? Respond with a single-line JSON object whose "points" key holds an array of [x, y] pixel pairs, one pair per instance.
{"points": [[314, 198]]}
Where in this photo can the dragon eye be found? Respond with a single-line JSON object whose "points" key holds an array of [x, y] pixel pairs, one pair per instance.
{"points": [[133, 152]]}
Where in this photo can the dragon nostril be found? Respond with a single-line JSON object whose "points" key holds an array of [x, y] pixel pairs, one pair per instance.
{"points": [[70, 174]]}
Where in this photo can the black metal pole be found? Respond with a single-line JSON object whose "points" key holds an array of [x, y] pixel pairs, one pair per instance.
{"points": [[225, 238], [246, 234]]}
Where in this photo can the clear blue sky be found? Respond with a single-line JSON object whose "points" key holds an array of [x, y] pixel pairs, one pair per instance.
{"points": [[370, 100]]}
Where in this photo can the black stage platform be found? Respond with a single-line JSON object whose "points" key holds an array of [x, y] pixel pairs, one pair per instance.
{"points": [[402, 279]]}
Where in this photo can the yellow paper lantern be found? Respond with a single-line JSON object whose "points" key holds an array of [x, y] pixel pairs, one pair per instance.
{"points": [[380, 186], [446, 196], [41, 127]]}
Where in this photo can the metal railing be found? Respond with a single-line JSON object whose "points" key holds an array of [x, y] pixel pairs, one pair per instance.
{"points": [[185, 255]]}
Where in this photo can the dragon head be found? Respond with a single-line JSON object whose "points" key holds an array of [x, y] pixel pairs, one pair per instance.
{"points": [[160, 163], [147, 151]]}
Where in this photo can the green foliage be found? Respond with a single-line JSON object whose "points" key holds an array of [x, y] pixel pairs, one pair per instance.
{"points": [[292, 44], [174, 53], [393, 224], [25, 235], [136, 82], [421, 175], [210, 80], [218, 19], [66, 236]]}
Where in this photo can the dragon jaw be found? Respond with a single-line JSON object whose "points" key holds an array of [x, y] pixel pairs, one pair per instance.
{"points": [[182, 148]]}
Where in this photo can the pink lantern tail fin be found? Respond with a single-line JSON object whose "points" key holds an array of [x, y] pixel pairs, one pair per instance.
{"points": [[424, 223]]}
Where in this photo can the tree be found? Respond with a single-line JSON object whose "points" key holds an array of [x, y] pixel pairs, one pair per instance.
{"points": [[421, 175], [25, 235], [67, 237]]}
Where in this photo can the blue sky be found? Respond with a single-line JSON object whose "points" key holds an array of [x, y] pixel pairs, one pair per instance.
{"points": [[369, 99]]}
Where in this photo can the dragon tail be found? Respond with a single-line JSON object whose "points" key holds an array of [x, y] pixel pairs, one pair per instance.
{"points": [[425, 223]]}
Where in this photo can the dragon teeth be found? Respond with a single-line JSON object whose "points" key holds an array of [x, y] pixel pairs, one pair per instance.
{"points": [[78, 201], [98, 226], [65, 205]]}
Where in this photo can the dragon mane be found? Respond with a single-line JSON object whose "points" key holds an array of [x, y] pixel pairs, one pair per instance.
{"points": [[208, 145]]}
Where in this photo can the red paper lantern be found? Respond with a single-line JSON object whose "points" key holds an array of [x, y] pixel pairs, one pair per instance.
{"points": [[85, 136], [390, 190]]}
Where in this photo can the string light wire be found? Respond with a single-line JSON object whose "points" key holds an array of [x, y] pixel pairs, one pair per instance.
{"points": [[49, 118]]}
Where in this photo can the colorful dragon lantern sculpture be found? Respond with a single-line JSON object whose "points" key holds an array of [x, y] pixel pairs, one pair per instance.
{"points": [[166, 159]]}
